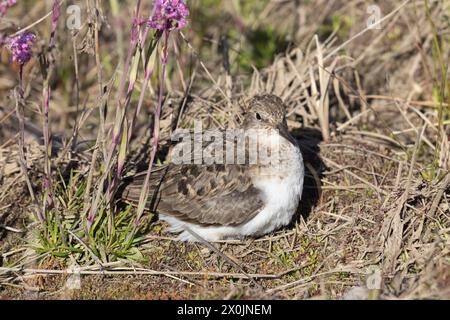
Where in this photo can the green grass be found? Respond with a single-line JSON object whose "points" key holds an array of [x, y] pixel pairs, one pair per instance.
{"points": [[65, 233]]}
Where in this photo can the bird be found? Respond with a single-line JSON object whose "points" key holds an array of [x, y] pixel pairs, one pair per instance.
{"points": [[217, 201]]}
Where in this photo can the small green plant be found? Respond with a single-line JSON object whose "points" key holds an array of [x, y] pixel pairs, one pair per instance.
{"points": [[108, 240], [54, 239]]}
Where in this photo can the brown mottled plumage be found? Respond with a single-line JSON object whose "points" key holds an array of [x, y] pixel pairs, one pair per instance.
{"points": [[210, 197], [205, 195]]}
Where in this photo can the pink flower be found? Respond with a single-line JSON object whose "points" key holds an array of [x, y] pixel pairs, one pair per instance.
{"points": [[5, 5], [56, 13], [169, 15], [20, 47]]}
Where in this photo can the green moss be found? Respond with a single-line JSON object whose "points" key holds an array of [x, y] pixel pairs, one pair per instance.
{"points": [[283, 258]]}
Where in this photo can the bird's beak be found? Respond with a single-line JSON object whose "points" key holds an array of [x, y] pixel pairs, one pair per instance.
{"points": [[284, 132]]}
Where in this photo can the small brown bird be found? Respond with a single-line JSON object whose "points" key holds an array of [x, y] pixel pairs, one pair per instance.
{"points": [[232, 199]]}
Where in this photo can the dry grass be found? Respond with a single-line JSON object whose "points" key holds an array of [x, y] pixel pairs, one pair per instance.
{"points": [[375, 141]]}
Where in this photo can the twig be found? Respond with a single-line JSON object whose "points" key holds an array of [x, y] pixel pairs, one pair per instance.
{"points": [[23, 161], [140, 271], [35, 23], [429, 104], [379, 190]]}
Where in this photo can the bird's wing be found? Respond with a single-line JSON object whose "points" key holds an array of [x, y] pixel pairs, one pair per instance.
{"points": [[206, 195], [217, 194]]}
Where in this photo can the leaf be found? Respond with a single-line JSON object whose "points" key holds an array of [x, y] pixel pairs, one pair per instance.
{"points": [[136, 255]]}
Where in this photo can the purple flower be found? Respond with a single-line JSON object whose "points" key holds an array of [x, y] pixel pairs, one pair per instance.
{"points": [[168, 15], [20, 47], [5, 5], [56, 12]]}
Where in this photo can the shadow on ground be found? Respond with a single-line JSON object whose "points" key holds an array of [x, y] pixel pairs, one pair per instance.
{"points": [[309, 140]]}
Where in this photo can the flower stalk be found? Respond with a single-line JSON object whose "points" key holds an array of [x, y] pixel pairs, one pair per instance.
{"points": [[156, 131], [167, 16]]}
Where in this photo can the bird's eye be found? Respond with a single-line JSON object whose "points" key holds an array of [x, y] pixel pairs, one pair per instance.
{"points": [[258, 116]]}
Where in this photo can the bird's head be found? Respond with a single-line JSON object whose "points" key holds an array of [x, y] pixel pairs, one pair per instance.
{"points": [[267, 112]]}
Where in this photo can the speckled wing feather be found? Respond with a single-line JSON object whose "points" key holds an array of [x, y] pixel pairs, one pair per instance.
{"points": [[201, 194]]}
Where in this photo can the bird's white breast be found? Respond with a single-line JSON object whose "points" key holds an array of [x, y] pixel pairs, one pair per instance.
{"points": [[281, 192]]}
